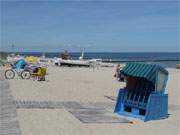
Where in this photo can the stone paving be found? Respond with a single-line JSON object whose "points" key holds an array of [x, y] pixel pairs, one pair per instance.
{"points": [[90, 112], [9, 124], [22, 104]]}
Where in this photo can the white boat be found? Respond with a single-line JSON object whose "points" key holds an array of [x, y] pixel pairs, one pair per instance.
{"points": [[80, 62], [73, 63]]}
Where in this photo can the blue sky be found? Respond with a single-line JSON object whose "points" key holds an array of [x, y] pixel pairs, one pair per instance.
{"points": [[95, 26]]}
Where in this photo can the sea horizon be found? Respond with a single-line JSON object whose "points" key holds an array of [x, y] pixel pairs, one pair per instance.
{"points": [[89, 52], [165, 59]]}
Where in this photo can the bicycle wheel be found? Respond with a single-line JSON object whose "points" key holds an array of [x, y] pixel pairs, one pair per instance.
{"points": [[9, 74], [25, 75]]}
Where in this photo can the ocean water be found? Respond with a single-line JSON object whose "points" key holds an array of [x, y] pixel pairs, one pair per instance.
{"points": [[163, 59]]}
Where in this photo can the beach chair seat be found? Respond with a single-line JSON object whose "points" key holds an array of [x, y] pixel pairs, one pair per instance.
{"points": [[39, 73]]}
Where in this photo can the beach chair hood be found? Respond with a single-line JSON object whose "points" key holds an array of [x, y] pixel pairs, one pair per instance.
{"points": [[154, 73]]}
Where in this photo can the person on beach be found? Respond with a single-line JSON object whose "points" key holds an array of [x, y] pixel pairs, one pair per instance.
{"points": [[117, 71], [119, 76]]}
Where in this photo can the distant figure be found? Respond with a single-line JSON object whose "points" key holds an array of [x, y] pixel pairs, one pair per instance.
{"points": [[65, 55], [119, 76], [117, 71]]}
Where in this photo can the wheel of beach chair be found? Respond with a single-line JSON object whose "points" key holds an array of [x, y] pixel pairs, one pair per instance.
{"points": [[25, 74], [9, 74]]}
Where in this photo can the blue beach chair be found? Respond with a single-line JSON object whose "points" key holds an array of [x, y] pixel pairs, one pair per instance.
{"points": [[143, 97], [20, 64]]}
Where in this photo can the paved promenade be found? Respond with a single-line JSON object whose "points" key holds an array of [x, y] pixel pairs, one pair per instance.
{"points": [[9, 124]]}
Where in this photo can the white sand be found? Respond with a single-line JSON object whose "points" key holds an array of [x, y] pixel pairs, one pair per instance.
{"points": [[84, 85], [69, 84]]}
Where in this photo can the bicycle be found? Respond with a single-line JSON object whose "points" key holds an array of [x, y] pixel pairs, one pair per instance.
{"points": [[10, 73]]}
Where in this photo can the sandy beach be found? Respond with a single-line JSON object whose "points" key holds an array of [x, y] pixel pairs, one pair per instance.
{"points": [[87, 47], [85, 86]]}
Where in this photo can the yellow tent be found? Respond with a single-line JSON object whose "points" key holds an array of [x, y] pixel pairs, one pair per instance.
{"points": [[31, 59]]}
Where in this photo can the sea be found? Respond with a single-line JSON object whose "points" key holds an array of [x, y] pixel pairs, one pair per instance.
{"points": [[165, 59]]}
